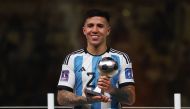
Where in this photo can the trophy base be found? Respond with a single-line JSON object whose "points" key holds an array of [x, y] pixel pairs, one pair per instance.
{"points": [[95, 92]]}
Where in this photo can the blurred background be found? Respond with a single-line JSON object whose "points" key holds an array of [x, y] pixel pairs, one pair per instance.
{"points": [[36, 35]]}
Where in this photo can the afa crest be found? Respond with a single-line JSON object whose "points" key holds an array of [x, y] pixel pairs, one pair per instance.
{"points": [[64, 75], [128, 73]]}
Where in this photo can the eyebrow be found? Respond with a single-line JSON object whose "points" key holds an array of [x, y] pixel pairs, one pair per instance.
{"points": [[97, 24]]}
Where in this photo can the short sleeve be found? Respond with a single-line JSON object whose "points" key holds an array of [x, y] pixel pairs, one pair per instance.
{"points": [[67, 76], [126, 74]]}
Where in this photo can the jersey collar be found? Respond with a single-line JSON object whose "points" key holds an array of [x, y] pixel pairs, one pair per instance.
{"points": [[86, 51]]}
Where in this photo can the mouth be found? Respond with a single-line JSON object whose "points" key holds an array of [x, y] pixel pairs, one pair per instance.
{"points": [[95, 36]]}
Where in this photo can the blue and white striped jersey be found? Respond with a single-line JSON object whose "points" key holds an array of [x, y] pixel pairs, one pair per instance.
{"points": [[80, 70]]}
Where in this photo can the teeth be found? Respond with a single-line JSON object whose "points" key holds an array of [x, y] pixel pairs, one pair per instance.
{"points": [[94, 36]]}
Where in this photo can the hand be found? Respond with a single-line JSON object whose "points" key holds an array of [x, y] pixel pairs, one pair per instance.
{"points": [[96, 98], [104, 83], [101, 98]]}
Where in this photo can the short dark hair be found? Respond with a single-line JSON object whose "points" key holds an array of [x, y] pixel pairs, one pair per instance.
{"points": [[97, 12]]}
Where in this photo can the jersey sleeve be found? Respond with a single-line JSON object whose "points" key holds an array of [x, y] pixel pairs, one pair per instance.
{"points": [[67, 76], [126, 72]]}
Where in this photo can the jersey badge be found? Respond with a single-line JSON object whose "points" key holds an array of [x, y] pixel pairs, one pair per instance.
{"points": [[128, 73], [64, 75]]}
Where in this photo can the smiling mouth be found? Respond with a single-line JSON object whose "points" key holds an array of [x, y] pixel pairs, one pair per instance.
{"points": [[94, 36]]}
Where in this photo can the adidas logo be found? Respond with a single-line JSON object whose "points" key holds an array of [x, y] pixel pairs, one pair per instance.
{"points": [[82, 69]]}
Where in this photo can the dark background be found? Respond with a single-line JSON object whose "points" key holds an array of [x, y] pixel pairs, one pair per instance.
{"points": [[36, 35]]}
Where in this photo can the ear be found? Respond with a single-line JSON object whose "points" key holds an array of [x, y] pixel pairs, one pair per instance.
{"points": [[84, 30], [109, 29]]}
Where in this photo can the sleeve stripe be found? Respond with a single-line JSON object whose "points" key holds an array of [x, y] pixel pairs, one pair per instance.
{"points": [[126, 84], [66, 61], [78, 51], [65, 88], [121, 53], [126, 58]]}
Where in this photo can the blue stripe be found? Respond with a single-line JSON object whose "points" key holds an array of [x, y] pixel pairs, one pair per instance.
{"points": [[116, 77], [95, 61], [114, 81], [78, 75]]}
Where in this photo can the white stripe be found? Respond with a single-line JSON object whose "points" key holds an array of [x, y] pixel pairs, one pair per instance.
{"points": [[106, 105], [50, 100], [177, 100], [87, 60]]}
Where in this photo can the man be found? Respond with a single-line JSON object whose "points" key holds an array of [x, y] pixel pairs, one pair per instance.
{"points": [[80, 70]]}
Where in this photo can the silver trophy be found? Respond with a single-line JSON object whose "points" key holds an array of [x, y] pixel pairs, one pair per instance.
{"points": [[106, 67]]}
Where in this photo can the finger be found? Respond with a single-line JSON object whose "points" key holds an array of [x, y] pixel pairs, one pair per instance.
{"points": [[104, 78], [102, 84], [105, 99], [97, 98], [101, 81]]}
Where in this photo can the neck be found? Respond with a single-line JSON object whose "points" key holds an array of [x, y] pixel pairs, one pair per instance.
{"points": [[97, 50]]}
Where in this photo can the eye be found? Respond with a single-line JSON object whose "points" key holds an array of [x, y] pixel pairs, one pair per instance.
{"points": [[100, 25], [90, 25]]}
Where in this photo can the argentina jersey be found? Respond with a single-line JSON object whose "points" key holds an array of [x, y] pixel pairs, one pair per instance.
{"points": [[80, 70]]}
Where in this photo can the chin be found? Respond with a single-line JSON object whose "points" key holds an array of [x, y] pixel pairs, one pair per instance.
{"points": [[95, 43]]}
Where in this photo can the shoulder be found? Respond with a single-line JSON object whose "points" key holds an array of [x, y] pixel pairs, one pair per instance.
{"points": [[73, 54], [118, 52], [79, 51], [121, 54], [76, 52]]}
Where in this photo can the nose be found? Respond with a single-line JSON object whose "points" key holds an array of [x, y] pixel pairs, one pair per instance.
{"points": [[94, 29]]}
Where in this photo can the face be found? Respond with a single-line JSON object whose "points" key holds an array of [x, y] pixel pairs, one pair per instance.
{"points": [[96, 29]]}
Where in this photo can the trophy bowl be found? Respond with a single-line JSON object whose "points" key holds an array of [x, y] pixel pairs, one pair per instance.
{"points": [[106, 67]]}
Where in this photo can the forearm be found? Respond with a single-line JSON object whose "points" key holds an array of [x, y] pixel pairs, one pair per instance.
{"points": [[68, 98], [124, 95]]}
